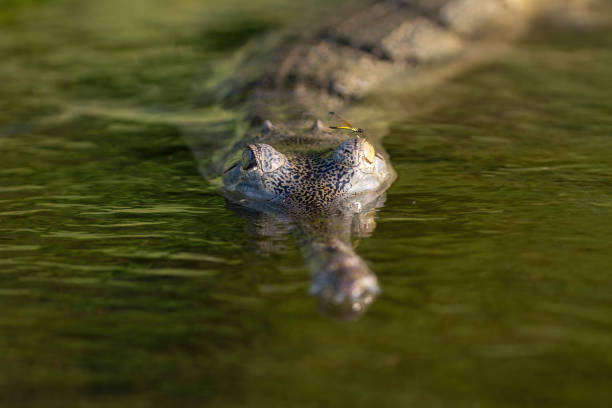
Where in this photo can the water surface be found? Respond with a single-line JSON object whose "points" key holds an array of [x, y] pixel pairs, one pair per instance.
{"points": [[126, 281]]}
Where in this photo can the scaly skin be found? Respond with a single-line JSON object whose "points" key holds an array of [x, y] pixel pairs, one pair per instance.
{"points": [[324, 184], [309, 182]]}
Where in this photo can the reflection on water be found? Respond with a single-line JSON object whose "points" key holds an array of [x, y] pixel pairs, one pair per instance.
{"points": [[341, 280], [126, 281]]}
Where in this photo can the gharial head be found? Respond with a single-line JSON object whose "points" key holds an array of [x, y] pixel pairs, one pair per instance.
{"points": [[266, 175]]}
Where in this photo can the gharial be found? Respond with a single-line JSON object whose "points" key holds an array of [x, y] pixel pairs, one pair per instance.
{"points": [[288, 171]]}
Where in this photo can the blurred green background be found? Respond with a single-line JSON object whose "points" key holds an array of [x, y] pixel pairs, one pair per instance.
{"points": [[125, 280]]}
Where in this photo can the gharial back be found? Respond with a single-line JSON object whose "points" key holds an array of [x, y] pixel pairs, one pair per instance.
{"points": [[363, 48], [302, 135]]}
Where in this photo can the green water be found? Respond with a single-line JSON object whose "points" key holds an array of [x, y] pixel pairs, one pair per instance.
{"points": [[126, 282]]}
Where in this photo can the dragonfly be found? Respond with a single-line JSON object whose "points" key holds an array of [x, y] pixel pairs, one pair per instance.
{"points": [[344, 124]]}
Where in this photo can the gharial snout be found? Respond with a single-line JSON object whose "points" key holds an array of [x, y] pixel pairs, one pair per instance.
{"points": [[344, 284]]}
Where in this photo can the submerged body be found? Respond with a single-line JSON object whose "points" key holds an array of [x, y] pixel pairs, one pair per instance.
{"points": [[327, 183]]}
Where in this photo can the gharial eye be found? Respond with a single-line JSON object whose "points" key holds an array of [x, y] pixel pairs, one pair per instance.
{"points": [[368, 152], [263, 157], [248, 160], [352, 152]]}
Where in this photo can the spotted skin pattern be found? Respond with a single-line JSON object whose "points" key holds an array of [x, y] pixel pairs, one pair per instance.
{"points": [[309, 182]]}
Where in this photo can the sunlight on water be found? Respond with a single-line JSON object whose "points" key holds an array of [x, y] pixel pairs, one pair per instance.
{"points": [[125, 280]]}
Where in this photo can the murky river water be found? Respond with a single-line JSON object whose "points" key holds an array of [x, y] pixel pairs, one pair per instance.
{"points": [[126, 281]]}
